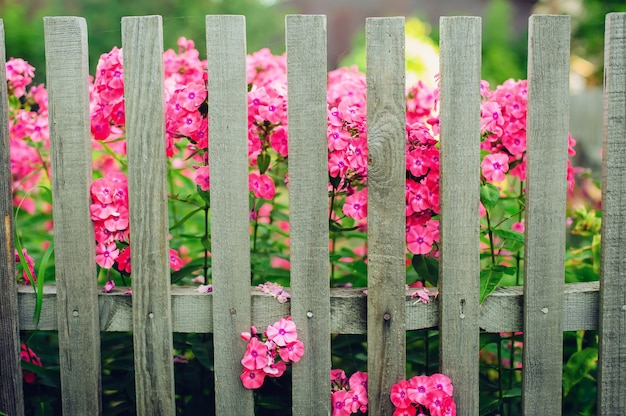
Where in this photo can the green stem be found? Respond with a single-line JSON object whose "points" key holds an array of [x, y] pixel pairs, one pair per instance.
{"points": [[500, 380], [491, 246]]}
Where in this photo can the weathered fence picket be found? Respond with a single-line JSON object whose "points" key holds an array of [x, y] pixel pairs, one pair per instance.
{"points": [[459, 195], [305, 38], [11, 395], [546, 187], [142, 42], [230, 240], [612, 334], [543, 309], [386, 126], [67, 73]]}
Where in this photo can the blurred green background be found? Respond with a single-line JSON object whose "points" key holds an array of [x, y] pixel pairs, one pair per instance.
{"points": [[504, 26]]}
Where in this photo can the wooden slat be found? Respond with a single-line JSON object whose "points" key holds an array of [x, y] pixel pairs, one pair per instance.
{"points": [[386, 229], [612, 336], [547, 129], [11, 395], [230, 240], [142, 42], [500, 312], [308, 212], [67, 72], [460, 46]]}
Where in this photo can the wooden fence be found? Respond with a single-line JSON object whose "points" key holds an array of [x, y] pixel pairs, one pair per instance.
{"points": [[542, 309]]}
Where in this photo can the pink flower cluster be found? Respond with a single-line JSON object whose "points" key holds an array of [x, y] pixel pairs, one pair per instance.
{"points": [[110, 215], [348, 395], [276, 290], [431, 394], [503, 126], [268, 356], [27, 355], [30, 263], [28, 129]]}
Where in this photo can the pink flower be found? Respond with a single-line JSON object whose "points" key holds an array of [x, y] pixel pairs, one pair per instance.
{"points": [[106, 255], [406, 411], [419, 388], [494, 167], [282, 332], [256, 356], [442, 382], [419, 240], [292, 351], [356, 205], [27, 355], [399, 395], [252, 379], [175, 262], [338, 401], [261, 185]]}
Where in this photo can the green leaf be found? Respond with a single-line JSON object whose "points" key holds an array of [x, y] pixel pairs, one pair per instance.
{"points": [[189, 268], [578, 367], [185, 218], [509, 235], [41, 276], [205, 195], [489, 196], [489, 408], [489, 280], [263, 160], [427, 268]]}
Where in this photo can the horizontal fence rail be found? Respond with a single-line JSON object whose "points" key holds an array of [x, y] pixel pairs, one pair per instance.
{"points": [[543, 308]]}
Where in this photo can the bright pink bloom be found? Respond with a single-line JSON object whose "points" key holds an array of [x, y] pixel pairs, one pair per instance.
{"points": [[406, 411], [420, 240], [494, 167], [261, 185], [442, 382], [399, 395], [419, 388], [27, 355], [256, 356], [282, 332], [338, 401], [252, 379], [292, 351], [106, 255], [175, 262], [356, 205]]}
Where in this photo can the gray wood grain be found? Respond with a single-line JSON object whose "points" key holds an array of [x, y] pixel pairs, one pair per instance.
{"points": [[612, 335], [11, 395], [460, 46], [500, 312], [386, 223], [67, 72], [142, 42], [546, 186], [308, 212], [230, 240]]}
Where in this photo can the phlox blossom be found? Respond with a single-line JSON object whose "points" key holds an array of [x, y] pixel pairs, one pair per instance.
{"points": [[292, 351], [338, 402], [399, 395], [106, 255], [494, 167], [356, 205], [29, 356], [256, 356], [282, 332], [252, 379]]}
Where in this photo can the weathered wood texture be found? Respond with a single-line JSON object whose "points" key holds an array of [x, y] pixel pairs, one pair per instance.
{"points": [[500, 312], [386, 229], [11, 395], [460, 46], [142, 42], [230, 239], [612, 336], [308, 210], [546, 186], [67, 73]]}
